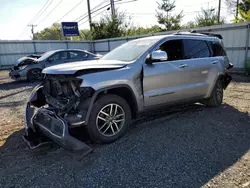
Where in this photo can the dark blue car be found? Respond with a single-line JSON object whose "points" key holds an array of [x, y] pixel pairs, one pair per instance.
{"points": [[31, 68]]}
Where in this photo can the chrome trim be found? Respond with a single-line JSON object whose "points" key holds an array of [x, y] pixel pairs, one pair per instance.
{"points": [[159, 56], [77, 123]]}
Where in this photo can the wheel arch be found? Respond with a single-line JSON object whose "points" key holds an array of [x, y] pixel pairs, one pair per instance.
{"points": [[31, 69], [123, 91], [219, 77]]}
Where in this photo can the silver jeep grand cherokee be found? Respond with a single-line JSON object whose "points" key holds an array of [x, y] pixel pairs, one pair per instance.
{"points": [[104, 95]]}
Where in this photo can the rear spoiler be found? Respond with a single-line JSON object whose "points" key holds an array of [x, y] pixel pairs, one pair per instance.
{"points": [[209, 34]]}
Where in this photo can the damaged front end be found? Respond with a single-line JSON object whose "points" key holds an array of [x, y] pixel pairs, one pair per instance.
{"points": [[54, 107]]}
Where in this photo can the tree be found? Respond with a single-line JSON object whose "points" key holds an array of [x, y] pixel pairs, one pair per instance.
{"points": [[85, 34], [243, 8], [110, 26], [166, 17], [141, 30], [50, 33], [190, 24], [207, 18], [244, 11], [232, 6]]}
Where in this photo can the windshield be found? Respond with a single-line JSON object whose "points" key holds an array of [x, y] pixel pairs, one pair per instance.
{"points": [[45, 55], [130, 51]]}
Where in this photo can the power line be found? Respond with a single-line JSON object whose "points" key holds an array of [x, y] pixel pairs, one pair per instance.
{"points": [[104, 7], [126, 2], [199, 3], [50, 12], [91, 10], [93, 16], [70, 10], [39, 12]]}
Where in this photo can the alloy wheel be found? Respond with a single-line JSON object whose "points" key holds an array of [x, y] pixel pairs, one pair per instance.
{"points": [[110, 120]]}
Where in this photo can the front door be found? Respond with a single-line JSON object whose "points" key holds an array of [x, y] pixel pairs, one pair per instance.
{"points": [[162, 80], [57, 58]]}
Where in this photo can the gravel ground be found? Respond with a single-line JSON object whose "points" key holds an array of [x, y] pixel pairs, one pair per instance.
{"points": [[190, 146]]}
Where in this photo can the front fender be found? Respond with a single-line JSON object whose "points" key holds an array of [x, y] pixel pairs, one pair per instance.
{"points": [[95, 95]]}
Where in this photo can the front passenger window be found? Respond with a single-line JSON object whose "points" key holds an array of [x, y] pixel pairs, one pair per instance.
{"points": [[54, 57], [173, 48]]}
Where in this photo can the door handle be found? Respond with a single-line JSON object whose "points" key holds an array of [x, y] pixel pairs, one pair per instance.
{"points": [[183, 65], [214, 62]]}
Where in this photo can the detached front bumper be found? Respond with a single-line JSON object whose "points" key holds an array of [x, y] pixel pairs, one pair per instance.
{"points": [[42, 123]]}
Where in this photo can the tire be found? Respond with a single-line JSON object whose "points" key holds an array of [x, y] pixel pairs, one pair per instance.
{"points": [[34, 75], [216, 96], [102, 127]]}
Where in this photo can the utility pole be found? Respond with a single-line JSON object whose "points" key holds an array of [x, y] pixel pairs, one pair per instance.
{"points": [[237, 11], [112, 4], [92, 47], [32, 29], [59, 34], [89, 13], [219, 11]]}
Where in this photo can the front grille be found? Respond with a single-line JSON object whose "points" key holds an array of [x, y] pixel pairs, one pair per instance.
{"points": [[59, 92], [58, 88]]}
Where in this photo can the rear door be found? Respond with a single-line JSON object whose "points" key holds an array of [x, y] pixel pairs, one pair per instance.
{"points": [[200, 64]]}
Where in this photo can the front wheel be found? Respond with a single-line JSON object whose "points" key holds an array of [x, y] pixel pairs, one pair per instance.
{"points": [[34, 75], [109, 119]]}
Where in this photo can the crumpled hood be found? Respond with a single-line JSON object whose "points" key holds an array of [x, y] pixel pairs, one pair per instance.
{"points": [[25, 61], [72, 68]]}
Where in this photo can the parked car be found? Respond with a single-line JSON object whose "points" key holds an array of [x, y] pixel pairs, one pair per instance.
{"points": [[31, 68], [140, 75]]}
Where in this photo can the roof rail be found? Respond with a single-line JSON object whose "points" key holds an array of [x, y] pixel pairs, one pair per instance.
{"points": [[193, 32], [214, 35], [209, 34]]}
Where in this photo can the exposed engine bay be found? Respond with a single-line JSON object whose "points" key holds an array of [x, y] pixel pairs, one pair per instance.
{"points": [[64, 94]]}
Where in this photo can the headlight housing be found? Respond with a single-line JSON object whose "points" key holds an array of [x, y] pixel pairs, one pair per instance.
{"points": [[22, 67]]}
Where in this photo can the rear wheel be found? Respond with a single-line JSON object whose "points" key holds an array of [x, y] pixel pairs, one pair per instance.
{"points": [[34, 75], [217, 95], [109, 119]]}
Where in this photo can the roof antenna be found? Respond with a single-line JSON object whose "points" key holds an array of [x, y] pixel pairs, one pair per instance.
{"points": [[193, 31]]}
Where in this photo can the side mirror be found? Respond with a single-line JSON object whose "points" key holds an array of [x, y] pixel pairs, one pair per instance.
{"points": [[159, 55]]}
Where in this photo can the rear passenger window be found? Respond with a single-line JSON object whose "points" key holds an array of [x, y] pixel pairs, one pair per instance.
{"points": [[77, 55], [64, 55], [218, 50], [195, 49]]}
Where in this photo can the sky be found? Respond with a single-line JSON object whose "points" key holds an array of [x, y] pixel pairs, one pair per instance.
{"points": [[15, 15]]}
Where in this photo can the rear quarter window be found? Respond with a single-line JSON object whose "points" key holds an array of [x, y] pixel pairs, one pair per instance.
{"points": [[217, 49]]}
